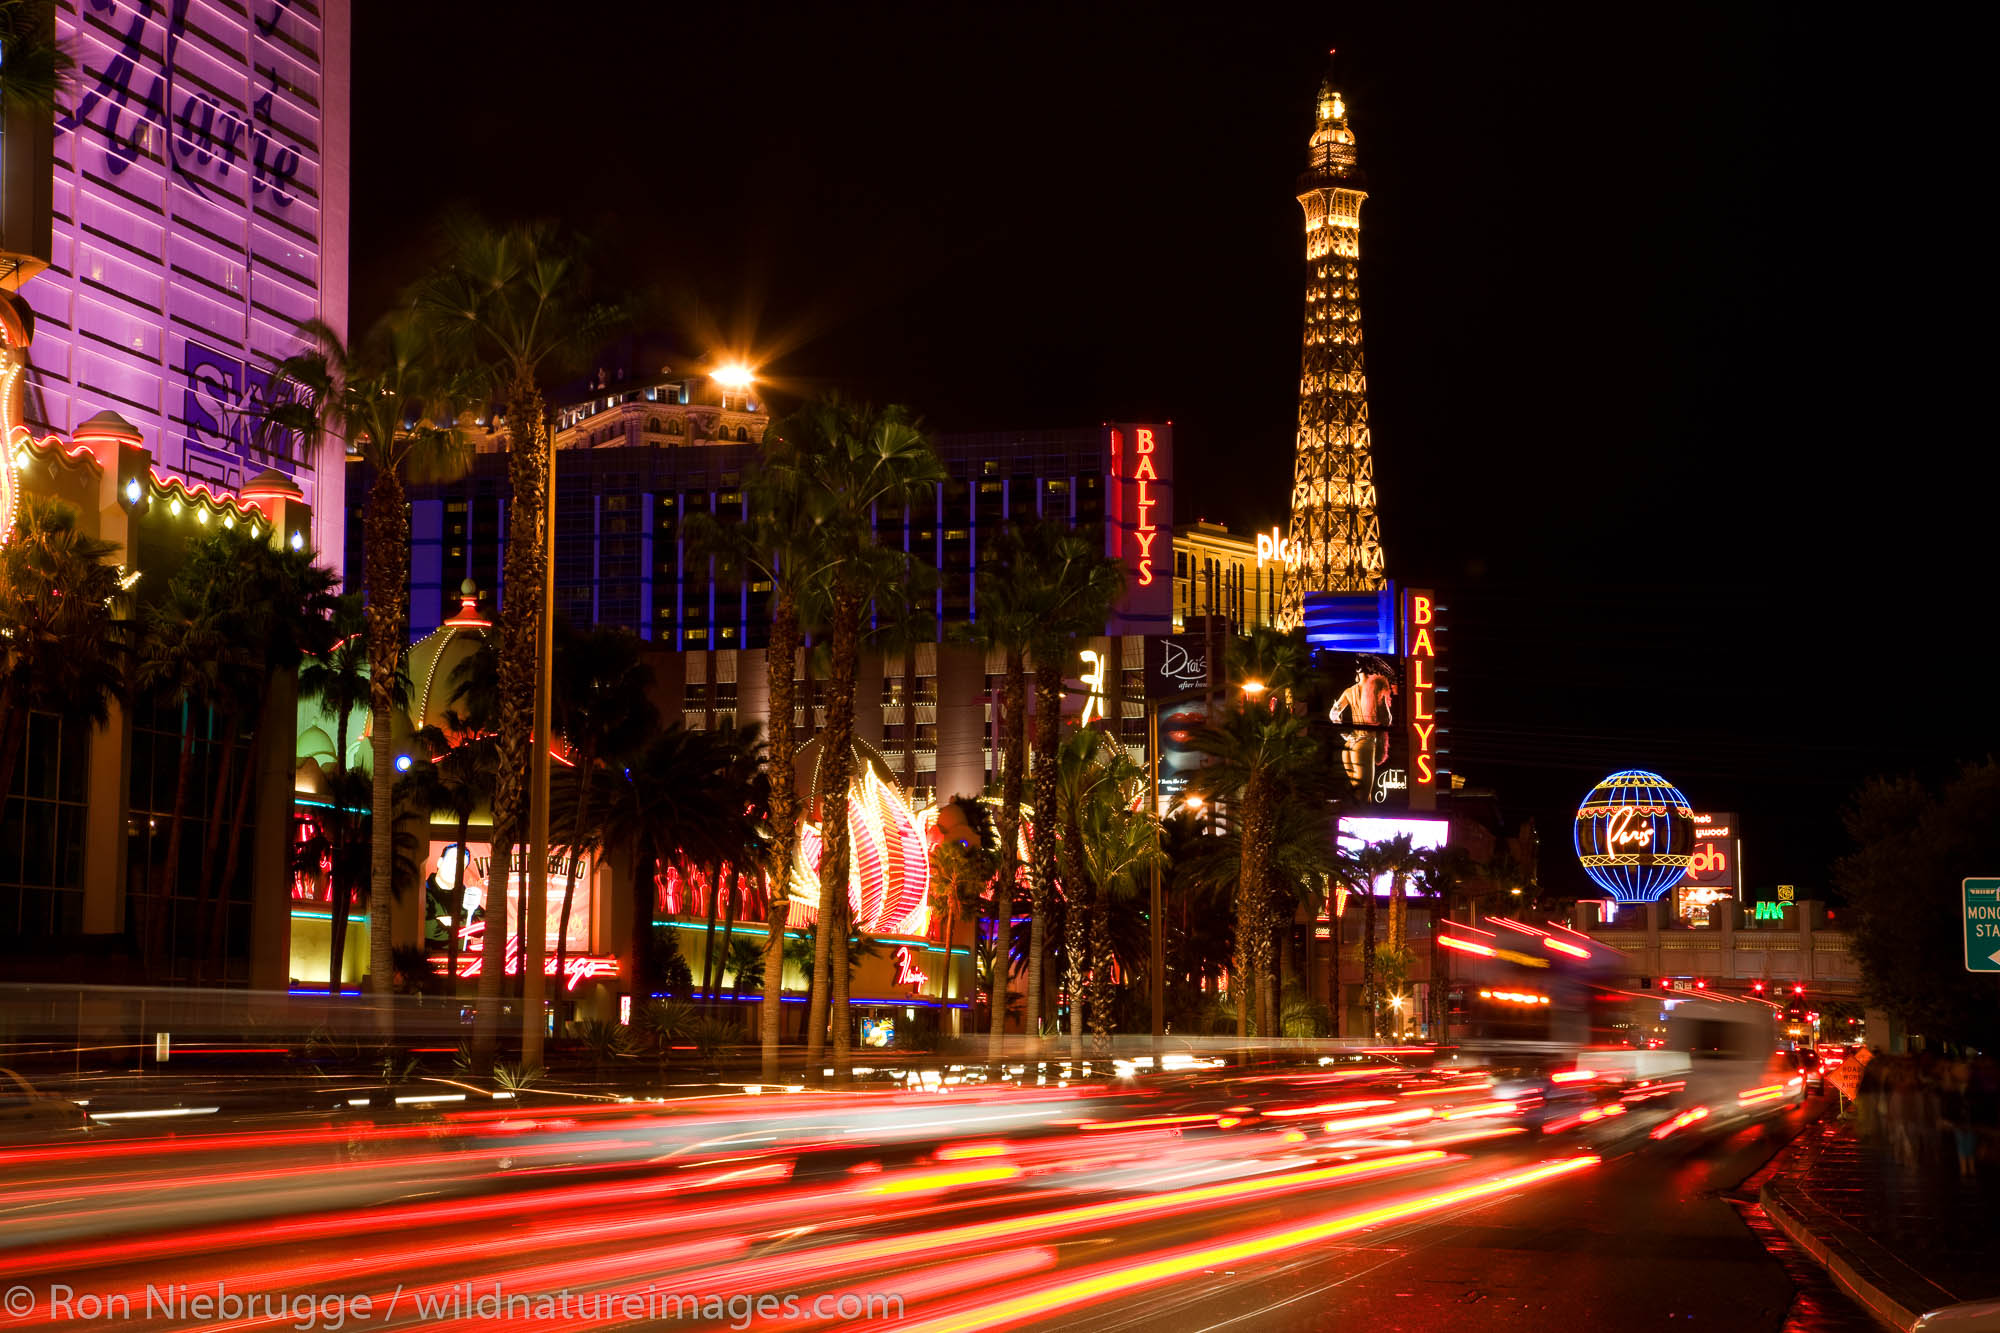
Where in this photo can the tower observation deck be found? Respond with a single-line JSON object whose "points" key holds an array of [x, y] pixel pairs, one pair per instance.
{"points": [[1334, 525]]}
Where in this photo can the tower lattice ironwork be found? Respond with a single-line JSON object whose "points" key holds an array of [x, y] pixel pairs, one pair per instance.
{"points": [[1334, 526]]}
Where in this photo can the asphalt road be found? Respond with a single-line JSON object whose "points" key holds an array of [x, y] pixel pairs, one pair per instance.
{"points": [[1650, 1240]]}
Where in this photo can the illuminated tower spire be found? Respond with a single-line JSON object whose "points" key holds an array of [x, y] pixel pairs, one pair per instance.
{"points": [[1334, 526]]}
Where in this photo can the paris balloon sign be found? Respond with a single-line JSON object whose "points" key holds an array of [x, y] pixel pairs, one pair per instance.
{"points": [[1635, 835]]}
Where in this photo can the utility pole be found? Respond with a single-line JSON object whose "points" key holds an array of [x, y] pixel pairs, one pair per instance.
{"points": [[1158, 915], [535, 912]]}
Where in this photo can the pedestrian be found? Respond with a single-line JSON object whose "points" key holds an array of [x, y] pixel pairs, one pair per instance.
{"points": [[1955, 1110]]}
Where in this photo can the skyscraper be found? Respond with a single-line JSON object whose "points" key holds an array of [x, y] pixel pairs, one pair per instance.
{"points": [[1334, 524]]}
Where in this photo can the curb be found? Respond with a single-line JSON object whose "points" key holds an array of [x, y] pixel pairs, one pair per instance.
{"points": [[1889, 1289]]}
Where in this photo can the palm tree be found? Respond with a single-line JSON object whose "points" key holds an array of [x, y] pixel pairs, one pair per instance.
{"points": [[396, 401], [604, 715], [513, 301], [1069, 585], [60, 641], [184, 651], [1443, 872], [338, 677], [685, 798], [745, 964], [275, 605], [1398, 860], [1260, 746], [906, 619], [778, 543], [857, 461], [961, 870], [36, 67], [1107, 839], [1006, 625]]}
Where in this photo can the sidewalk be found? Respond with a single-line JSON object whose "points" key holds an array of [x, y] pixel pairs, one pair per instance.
{"points": [[1902, 1240]]}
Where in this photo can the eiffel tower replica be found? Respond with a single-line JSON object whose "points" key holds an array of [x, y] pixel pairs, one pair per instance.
{"points": [[1334, 526]]}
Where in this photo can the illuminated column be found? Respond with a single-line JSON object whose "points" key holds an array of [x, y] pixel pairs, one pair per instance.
{"points": [[1333, 525]]}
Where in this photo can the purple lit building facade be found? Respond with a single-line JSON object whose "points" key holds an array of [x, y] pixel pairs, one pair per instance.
{"points": [[199, 213]]}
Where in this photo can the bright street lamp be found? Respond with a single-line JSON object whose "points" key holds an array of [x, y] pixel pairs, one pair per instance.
{"points": [[1253, 688], [734, 375]]}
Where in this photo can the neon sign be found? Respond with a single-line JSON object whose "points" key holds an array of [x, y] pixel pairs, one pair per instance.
{"points": [[1766, 911], [1420, 638], [1139, 508], [1093, 701], [577, 967], [908, 972], [1275, 548], [1634, 835]]}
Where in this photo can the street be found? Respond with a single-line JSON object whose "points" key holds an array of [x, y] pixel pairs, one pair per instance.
{"points": [[1289, 1198]]}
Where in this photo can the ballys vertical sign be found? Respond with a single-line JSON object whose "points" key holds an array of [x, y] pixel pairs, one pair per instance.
{"points": [[1420, 634], [1140, 533]]}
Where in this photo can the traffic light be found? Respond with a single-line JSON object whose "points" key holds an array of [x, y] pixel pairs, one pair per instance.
{"points": [[1757, 986], [1701, 983], [1798, 988]]}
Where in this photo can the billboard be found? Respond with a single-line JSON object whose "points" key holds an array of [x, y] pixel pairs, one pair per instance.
{"points": [[1175, 664], [1351, 622], [1714, 873], [1369, 715], [1360, 831], [1179, 760]]}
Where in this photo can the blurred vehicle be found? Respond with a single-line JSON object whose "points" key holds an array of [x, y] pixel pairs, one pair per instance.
{"points": [[26, 1113], [1809, 1066]]}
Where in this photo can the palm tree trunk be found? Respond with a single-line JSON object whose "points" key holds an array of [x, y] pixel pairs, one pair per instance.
{"points": [[645, 900], [1013, 698], [1336, 986], [1368, 960], [1100, 965], [239, 822], [386, 574], [780, 660], [1249, 881], [211, 839], [342, 902], [1041, 850], [713, 873], [728, 930], [170, 881], [381, 868], [520, 636], [836, 758], [1076, 933]]}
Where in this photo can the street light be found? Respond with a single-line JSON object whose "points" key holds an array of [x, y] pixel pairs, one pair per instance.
{"points": [[734, 375]]}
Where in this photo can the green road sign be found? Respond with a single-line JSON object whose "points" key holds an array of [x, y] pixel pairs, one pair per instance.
{"points": [[1982, 925]]}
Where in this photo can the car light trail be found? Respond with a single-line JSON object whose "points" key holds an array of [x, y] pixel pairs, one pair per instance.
{"points": [[1326, 1108], [1111, 1279], [1466, 946], [1564, 946], [1680, 1122]]}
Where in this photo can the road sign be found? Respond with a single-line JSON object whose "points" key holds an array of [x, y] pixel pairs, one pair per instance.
{"points": [[1982, 925]]}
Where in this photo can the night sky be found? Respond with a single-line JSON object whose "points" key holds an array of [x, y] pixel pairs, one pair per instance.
{"points": [[1667, 315]]}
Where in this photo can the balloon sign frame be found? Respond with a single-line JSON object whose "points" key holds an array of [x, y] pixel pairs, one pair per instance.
{"points": [[1635, 835]]}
